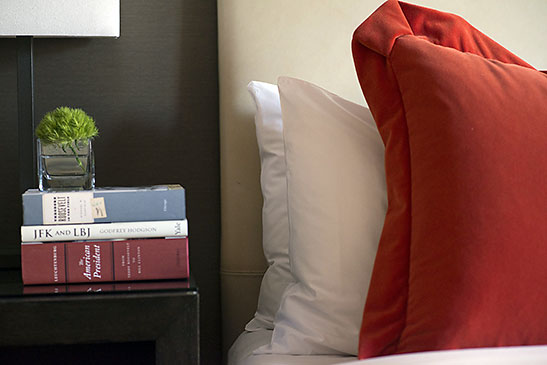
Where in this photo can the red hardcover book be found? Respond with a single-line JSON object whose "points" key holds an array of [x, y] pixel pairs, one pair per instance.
{"points": [[100, 261]]}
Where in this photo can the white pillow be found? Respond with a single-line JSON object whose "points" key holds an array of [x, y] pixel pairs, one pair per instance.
{"points": [[336, 204], [275, 223]]}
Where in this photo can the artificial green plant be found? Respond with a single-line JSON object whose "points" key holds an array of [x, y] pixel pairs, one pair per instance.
{"points": [[64, 127]]}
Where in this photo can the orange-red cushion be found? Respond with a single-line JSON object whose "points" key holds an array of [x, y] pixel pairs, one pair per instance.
{"points": [[462, 260]]}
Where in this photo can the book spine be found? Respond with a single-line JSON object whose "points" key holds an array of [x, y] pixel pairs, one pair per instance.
{"points": [[104, 231], [104, 261], [103, 206]]}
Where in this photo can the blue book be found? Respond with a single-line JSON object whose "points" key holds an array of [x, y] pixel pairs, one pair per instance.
{"points": [[104, 205]]}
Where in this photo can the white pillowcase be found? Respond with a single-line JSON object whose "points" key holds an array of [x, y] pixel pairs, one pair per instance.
{"points": [[275, 222], [336, 205]]}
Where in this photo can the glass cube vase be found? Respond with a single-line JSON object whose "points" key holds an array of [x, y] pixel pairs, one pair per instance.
{"points": [[68, 168]]}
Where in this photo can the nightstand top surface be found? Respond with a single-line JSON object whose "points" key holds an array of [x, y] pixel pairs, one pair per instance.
{"points": [[11, 285]]}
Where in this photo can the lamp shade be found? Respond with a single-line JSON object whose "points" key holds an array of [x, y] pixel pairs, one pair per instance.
{"points": [[60, 18]]}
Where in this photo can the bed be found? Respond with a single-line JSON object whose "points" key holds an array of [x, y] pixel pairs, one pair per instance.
{"points": [[321, 197]]}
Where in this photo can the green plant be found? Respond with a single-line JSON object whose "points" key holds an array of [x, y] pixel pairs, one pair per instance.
{"points": [[64, 127]]}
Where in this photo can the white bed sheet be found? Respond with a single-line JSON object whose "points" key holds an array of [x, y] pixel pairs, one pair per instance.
{"points": [[517, 355], [241, 353]]}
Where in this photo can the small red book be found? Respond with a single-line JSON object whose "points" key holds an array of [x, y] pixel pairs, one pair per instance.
{"points": [[98, 261]]}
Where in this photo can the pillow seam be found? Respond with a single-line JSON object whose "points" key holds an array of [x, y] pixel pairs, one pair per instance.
{"points": [[409, 180]]}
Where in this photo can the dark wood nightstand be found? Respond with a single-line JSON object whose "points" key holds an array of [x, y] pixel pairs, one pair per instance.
{"points": [[131, 322]]}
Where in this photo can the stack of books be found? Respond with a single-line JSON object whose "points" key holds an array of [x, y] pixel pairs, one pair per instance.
{"points": [[104, 235]]}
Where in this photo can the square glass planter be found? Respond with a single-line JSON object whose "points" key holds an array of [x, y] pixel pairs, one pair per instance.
{"points": [[69, 168]]}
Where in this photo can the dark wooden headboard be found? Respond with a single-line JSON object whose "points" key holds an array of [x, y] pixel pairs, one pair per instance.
{"points": [[154, 95]]}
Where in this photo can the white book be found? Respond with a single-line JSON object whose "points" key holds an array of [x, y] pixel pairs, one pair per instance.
{"points": [[104, 231]]}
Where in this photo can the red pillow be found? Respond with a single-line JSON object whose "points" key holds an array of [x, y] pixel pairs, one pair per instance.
{"points": [[462, 260]]}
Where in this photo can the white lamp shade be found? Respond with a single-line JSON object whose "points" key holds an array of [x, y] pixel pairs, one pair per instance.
{"points": [[60, 18]]}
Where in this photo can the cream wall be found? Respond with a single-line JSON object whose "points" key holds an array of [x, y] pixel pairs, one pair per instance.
{"points": [[309, 39]]}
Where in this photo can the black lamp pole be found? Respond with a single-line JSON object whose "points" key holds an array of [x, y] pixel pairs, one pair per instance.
{"points": [[25, 112]]}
